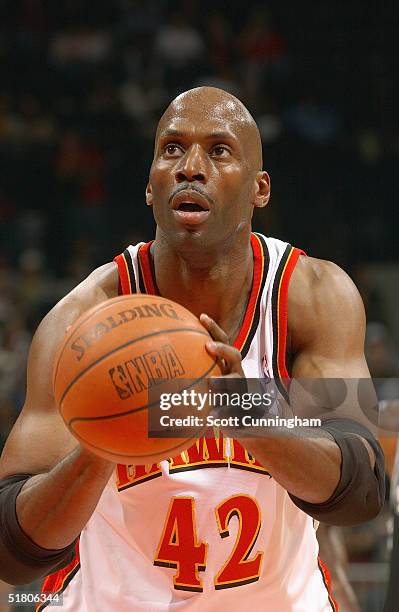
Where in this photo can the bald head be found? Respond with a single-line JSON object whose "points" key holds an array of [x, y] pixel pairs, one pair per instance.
{"points": [[211, 103], [207, 149]]}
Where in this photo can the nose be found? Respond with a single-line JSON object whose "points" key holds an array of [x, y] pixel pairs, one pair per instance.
{"points": [[192, 166]]}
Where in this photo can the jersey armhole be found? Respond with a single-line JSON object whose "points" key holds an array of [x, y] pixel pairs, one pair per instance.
{"points": [[280, 316]]}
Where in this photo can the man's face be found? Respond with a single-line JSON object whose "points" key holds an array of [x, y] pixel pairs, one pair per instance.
{"points": [[202, 184]]}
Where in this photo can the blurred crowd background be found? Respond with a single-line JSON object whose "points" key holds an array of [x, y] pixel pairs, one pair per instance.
{"points": [[83, 85]]}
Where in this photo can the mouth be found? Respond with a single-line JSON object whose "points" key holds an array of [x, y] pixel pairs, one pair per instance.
{"points": [[190, 207]]}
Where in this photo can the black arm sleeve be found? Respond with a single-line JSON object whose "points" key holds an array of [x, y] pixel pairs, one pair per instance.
{"points": [[21, 560], [360, 493]]}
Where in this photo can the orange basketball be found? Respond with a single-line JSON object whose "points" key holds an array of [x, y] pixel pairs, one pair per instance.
{"points": [[115, 361]]}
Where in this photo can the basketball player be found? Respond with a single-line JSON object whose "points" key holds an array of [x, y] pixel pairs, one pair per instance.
{"points": [[215, 526]]}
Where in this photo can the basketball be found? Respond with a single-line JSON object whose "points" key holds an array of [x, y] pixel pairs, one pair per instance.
{"points": [[111, 360]]}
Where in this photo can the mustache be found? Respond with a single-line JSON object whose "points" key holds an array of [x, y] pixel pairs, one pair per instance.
{"points": [[188, 187]]}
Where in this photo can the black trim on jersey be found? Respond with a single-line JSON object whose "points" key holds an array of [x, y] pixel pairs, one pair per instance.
{"points": [[249, 468], [68, 579], [148, 260], [152, 268], [275, 290], [140, 276], [197, 466], [129, 263], [139, 481], [256, 317]]}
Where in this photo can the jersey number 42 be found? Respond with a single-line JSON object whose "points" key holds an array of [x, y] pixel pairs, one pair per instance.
{"points": [[179, 547]]}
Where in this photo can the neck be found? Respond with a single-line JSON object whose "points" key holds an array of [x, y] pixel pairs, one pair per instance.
{"points": [[217, 282]]}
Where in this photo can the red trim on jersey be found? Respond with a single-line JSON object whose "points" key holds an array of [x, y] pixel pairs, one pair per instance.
{"points": [[282, 310], [259, 265], [144, 257], [124, 278], [57, 582], [327, 581]]}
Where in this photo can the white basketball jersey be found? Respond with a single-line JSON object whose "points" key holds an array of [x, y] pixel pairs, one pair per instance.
{"points": [[209, 529]]}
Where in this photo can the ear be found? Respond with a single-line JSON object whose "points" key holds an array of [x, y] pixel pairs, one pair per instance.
{"points": [[262, 189], [148, 195]]}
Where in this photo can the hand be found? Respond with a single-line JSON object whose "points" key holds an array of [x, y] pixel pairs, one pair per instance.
{"points": [[232, 381], [229, 358]]}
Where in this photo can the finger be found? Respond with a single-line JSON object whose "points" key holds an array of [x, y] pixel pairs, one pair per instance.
{"points": [[223, 351], [213, 328], [224, 366], [229, 354]]}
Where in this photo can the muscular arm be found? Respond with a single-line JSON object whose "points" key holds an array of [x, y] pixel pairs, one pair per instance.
{"points": [[67, 481], [326, 326]]}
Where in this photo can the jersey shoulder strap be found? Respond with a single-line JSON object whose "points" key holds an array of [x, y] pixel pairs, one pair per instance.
{"points": [[135, 270], [283, 259]]}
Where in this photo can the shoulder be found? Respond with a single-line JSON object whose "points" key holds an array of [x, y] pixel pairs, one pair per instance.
{"points": [[319, 280], [322, 295], [100, 285]]}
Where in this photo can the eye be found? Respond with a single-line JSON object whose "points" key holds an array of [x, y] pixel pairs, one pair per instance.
{"points": [[172, 149], [220, 151]]}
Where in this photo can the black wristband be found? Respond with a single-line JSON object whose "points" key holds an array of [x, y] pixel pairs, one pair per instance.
{"points": [[21, 559], [360, 493]]}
